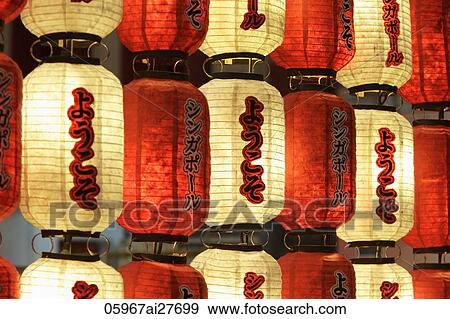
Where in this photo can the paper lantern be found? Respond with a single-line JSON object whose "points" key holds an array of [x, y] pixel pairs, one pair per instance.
{"points": [[10, 9], [244, 26], [234, 274], [9, 280], [431, 283], [382, 281], [98, 17], [432, 172], [179, 25], [10, 126], [154, 280], [383, 45], [319, 34], [430, 81], [317, 275], [166, 188], [70, 279], [72, 147], [384, 178], [320, 161], [247, 151]]}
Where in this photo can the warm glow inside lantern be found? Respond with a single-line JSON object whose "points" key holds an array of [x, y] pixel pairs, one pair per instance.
{"points": [[10, 126], [317, 275], [384, 178], [155, 280], [9, 280], [233, 274], [431, 283], [71, 168], [320, 161], [432, 173], [382, 281], [177, 25], [244, 26], [70, 279], [98, 17], [247, 151], [166, 188], [383, 44]]}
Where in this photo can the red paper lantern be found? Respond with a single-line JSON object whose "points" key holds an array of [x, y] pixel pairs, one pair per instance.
{"points": [[432, 186], [167, 157], [9, 280], [430, 80], [11, 128], [154, 280], [319, 34], [10, 9], [431, 283], [317, 275], [177, 25], [320, 161]]}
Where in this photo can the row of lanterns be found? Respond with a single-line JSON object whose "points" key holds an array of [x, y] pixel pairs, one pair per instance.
{"points": [[231, 154]]}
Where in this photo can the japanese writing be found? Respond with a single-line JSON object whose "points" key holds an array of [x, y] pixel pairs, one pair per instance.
{"points": [[385, 150], [194, 13], [253, 19], [82, 290], [6, 99], [252, 121], [346, 20], [185, 293], [392, 29], [339, 154], [84, 177], [191, 152], [388, 290], [340, 289], [252, 282]]}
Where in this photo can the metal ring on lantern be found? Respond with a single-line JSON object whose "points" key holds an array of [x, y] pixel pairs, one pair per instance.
{"points": [[256, 244], [207, 60], [269, 71], [32, 50], [202, 239], [358, 252], [34, 248], [395, 257], [108, 246], [108, 52], [290, 248], [134, 64]]}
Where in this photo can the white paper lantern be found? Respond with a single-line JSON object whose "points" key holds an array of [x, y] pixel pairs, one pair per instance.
{"points": [[384, 178], [70, 279], [99, 17], [53, 195], [383, 44], [382, 281], [238, 195], [232, 274], [244, 26]]}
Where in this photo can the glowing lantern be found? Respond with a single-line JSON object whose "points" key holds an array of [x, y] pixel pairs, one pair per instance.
{"points": [[55, 167], [430, 82], [318, 35], [176, 25], [389, 62], [385, 280], [155, 280], [384, 178], [431, 218], [320, 152], [10, 125], [255, 26], [247, 151], [70, 279], [98, 17], [9, 280], [317, 275], [431, 283], [252, 275], [10, 9]]}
